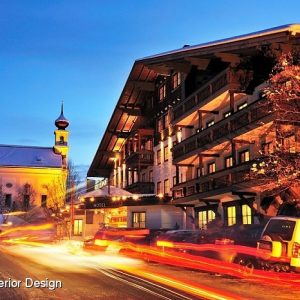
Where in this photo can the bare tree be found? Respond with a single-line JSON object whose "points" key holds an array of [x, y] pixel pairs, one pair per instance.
{"points": [[25, 197], [73, 180]]}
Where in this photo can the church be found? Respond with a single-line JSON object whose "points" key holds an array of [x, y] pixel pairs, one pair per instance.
{"points": [[33, 176]]}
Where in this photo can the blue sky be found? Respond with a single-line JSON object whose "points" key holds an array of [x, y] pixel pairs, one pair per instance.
{"points": [[81, 52]]}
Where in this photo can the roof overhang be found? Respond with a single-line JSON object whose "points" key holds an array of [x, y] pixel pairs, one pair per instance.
{"points": [[140, 83]]}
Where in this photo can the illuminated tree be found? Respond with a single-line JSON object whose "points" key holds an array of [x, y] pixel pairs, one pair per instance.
{"points": [[279, 167], [56, 191]]}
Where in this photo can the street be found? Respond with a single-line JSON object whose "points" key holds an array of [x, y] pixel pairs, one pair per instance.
{"points": [[109, 276], [94, 283]]}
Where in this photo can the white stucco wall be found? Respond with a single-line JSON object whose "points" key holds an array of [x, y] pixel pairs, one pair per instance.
{"points": [[157, 216]]}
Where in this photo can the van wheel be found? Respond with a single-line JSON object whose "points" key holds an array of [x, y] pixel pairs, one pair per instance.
{"points": [[247, 264]]}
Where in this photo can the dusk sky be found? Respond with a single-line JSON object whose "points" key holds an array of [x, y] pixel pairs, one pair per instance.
{"points": [[81, 52]]}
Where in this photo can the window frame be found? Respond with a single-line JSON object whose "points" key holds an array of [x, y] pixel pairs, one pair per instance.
{"points": [[158, 156], [231, 218], [162, 92], [209, 165], [241, 154], [166, 153], [247, 217], [166, 181], [140, 221], [230, 158], [77, 232], [158, 188], [176, 80], [44, 201], [204, 217]]}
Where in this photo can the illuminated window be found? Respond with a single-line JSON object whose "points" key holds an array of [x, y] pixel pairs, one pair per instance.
{"points": [[165, 121], [242, 106], [211, 168], [228, 162], [77, 227], [158, 188], [44, 200], [159, 157], [244, 156], [231, 215], [174, 180], [166, 153], [227, 114], [210, 123], [200, 171], [176, 80], [166, 186], [162, 92], [204, 217], [246, 214], [139, 219]]}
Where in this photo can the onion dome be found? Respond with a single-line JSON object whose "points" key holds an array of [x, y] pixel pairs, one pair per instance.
{"points": [[61, 122]]}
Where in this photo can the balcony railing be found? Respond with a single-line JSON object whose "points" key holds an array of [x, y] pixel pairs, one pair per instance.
{"points": [[207, 90], [229, 126], [141, 188], [142, 158], [210, 182]]}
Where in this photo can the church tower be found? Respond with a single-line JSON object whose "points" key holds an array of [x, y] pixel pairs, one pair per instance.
{"points": [[62, 136]]}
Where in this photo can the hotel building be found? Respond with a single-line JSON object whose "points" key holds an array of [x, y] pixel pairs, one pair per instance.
{"points": [[187, 127]]}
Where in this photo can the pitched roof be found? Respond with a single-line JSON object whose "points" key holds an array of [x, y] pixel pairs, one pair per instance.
{"points": [[29, 156], [145, 71]]}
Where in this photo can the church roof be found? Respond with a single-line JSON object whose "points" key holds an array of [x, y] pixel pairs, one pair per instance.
{"points": [[29, 156]]}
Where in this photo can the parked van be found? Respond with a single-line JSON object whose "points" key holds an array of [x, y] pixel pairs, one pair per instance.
{"points": [[279, 245]]}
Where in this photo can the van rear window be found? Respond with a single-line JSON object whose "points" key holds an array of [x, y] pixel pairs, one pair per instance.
{"points": [[282, 228]]}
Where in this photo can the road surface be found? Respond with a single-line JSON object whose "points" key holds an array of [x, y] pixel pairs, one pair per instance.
{"points": [[92, 283], [109, 276]]}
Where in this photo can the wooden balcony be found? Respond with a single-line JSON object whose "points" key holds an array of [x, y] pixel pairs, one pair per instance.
{"points": [[222, 81], [142, 158], [212, 183], [141, 188], [228, 128]]}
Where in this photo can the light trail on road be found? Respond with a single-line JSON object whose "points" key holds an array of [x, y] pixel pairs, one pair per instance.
{"points": [[69, 256]]}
